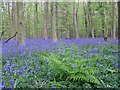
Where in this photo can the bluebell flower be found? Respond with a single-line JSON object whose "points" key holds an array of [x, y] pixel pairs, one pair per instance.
{"points": [[91, 54], [23, 67], [94, 50], [26, 65], [53, 86], [13, 65], [85, 55], [68, 60], [2, 85], [37, 68], [7, 73], [98, 64], [74, 65], [23, 74], [12, 81], [116, 66], [89, 79], [47, 63], [49, 73], [1, 77]]}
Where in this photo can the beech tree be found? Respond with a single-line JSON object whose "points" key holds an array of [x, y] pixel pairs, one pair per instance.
{"points": [[36, 19], [45, 33], [76, 19], [14, 19], [54, 35], [58, 20], [20, 24]]}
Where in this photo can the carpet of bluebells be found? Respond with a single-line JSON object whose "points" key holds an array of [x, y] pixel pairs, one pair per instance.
{"points": [[67, 63]]}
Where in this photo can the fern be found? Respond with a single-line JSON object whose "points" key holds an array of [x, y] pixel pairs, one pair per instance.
{"points": [[65, 72]]}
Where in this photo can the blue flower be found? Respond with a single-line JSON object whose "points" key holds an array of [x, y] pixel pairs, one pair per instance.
{"points": [[53, 86], [37, 68], [2, 85], [94, 50], [49, 73], [116, 66], [12, 81], [74, 65], [68, 60], [98, 64], [26, 65], [91, 54], [23, 74], [13, 65]]}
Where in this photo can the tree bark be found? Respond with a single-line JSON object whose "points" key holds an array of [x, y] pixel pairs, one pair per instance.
{"points": [[90, 20], [119, 23], [113, 21], [54, 22], [86, 26], [45, 33], [106, 23], [20, 24], [36, 20], [9, 24], [14, 19], [76, 19]]}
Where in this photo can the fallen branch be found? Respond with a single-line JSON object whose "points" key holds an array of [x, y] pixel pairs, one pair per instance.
{"points": [[10, 38]]}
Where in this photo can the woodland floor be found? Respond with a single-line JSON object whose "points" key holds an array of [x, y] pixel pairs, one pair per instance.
{"points": [[81, 63]]}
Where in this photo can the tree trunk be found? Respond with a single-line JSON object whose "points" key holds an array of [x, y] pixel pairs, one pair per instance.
{"points": [[54, 21], [36, 20], [86, 27], [28, 29], [71, 26], [113, 20], [45, 33], [14, 19], [90, 20], [9, 22], [76, 20], [119, 23], [20, 24], [106, 23]]}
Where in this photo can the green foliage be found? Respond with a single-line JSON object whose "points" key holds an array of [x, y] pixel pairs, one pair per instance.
{"points": [[66, 67]]}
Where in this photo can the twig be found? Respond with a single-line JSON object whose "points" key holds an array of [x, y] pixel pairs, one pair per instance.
{"points": [[10, 38]]}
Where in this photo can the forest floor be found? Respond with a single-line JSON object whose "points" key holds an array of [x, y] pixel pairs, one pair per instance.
{"points": [[82, 63]]}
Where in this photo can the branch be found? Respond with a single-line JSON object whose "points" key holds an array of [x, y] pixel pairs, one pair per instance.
{"points": [[3, 32], [10, 38]]}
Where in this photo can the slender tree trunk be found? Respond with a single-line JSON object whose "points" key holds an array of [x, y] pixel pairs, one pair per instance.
{"points": [[106, 24], [66, 20], [76, 20], [45, 33], [71, 26], [119, 23], [90, 20], [9, 23], [54, 21], [28, 23], [86, 27], [36, 20], [14, 19], [57, 23], [20, 24], [113, 20]]}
